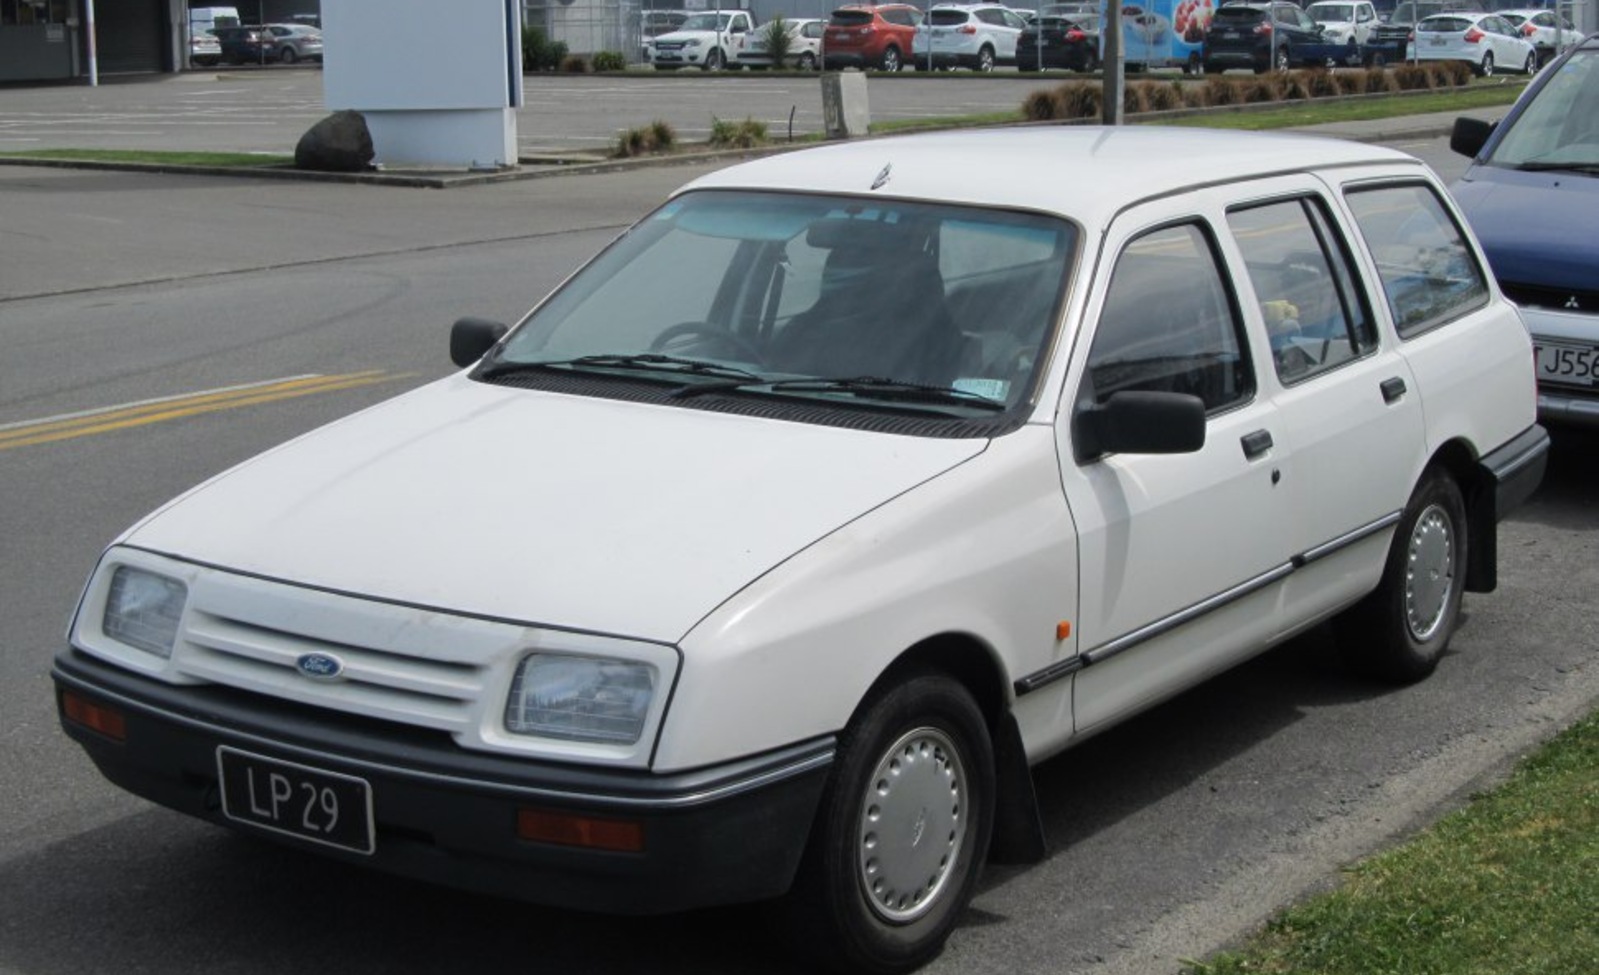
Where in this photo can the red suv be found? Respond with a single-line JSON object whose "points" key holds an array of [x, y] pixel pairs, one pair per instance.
{"points": [[870, 37]]}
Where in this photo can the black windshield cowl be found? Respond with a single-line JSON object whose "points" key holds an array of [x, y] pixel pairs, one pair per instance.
{"points": [[863, 387], [1584, 168], [644, 361]]}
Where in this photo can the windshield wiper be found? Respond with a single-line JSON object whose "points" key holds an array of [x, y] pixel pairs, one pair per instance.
{"points": [[645, 361], [865, 387], [1586, 168]]}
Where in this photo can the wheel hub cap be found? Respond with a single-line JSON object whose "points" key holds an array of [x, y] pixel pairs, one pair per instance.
{"points": [[912, 825], [1429, 574]]}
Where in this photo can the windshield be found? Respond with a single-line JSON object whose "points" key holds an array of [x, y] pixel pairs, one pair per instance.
{"points": [[1560, 126], [706, 22], [1332, 13], [747, 290]]}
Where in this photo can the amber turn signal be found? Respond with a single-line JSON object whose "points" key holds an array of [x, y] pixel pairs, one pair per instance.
{"points": [[96, 717], [568, 829]]}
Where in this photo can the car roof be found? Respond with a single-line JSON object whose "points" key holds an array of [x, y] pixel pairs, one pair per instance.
{"points": [[1083, 172]]}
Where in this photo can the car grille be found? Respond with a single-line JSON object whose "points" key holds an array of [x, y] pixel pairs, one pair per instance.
{"points": [[397, 663], [1580, 300]]}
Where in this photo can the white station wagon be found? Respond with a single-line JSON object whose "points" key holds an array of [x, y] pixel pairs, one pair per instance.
{"points": [[763, 558]]}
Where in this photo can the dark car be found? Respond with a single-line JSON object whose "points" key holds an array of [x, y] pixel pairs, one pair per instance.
{"points": [[1068, 41], [1388, 39], [1261, 36], [870, 37], [1532, 196], [246, 44]]}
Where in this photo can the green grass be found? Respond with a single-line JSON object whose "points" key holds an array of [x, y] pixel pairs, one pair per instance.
{"points": [[1318, 111], [156, 158], [1509, 885]]}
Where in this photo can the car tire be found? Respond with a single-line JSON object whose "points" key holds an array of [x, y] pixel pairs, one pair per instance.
{"points": [[1399, 632], [917, 757], [715, 60], [891, 60], [807, 61], [985, 59], [1352, 57], [287, 56], [1531, 65], [1285, 59], [1485, 68]]}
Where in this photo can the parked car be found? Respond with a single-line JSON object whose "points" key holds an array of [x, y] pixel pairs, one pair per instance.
{"points": [[204, 49], [1549, 32], [1390, 39], [709, 40], [1262, 36], [654, 23], [1487, 41], [1059, 41], [1346, 23], [295, 42], [910, 479], [977, 36], [242, 44], [870, 36], [804, 44], [1532, 194]]}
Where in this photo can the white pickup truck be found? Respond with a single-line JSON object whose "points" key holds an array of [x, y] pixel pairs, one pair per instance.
{"points": [[710, 40]]}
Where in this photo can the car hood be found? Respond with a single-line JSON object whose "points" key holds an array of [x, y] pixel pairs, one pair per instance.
{"points": [[585, 513], [1537, 228], [679, 36]]}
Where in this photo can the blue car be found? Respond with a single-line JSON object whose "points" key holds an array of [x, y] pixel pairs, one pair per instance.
{"points": [[1532, 196]]}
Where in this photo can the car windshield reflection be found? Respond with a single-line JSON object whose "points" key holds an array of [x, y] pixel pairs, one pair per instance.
{"points": [[868, 304]]}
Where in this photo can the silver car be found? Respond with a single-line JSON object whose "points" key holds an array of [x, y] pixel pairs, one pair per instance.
{"points": [[295, 42]]}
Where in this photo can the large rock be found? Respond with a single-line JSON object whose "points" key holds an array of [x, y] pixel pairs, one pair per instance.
{"points": [[340, 143]]}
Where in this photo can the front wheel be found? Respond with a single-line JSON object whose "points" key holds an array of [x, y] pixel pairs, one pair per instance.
{"points": [[902, 831], [715, 61], [1399, 632]]}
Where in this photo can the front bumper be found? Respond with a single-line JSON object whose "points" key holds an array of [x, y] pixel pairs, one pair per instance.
{"points": [[727, 834]]}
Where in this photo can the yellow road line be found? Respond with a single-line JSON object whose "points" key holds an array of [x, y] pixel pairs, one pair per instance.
{"points": [[159, 411]]}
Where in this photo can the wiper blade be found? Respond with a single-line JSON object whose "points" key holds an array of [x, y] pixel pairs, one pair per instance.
{"points": [[645, 361], [1588, 168], [866, 387]]}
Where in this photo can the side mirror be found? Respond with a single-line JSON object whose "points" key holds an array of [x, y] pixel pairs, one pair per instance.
{"points": [[1139, 422], [470, 338], [1470, 135]]}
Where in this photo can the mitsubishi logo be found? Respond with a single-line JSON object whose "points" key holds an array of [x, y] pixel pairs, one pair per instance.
{"points": [[1571, 302]]}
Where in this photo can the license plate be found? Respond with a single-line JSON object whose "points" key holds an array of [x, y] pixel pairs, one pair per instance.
{"points": [[1438, 41], [322, 807], [1576, 365]]}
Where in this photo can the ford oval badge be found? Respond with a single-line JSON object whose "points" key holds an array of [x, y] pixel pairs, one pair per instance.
{"points": [[319, 666]]}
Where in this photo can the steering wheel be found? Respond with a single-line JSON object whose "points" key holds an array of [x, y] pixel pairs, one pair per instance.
{"points": [[712, 335]]}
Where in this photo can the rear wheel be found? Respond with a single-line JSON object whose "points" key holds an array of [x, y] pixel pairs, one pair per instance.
{"points": [[287, 56], [1284, 59], [1486, 68], [891, 61], [902, 832], [1531, 67], [985, 60], [807, 61], [1399, 632]]}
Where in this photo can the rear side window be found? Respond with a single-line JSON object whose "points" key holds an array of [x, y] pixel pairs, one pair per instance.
{"points": [[1169, 324], [1300, 270], [1429, 274], [946, 18]]}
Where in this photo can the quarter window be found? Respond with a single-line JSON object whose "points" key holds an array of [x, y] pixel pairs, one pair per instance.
{"points": [[1315, 316], [1169, 325], [1429, 274]]}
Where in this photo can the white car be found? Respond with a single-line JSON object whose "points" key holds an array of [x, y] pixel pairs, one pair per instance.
{"points": [[1347, 22], [977, 36], [1549, 32], [763, 557], [1487, 41], [804, 44]]}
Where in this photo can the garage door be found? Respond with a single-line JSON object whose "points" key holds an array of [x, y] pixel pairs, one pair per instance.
{"points": [[131, 35]]}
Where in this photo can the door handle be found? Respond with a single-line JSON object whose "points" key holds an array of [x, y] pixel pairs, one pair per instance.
{"points": [[1256, 443], [1392, 389]]}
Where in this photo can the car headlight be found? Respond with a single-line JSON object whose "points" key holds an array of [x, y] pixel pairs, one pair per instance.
{"points": [[594, 699], [693, 43], [142, 609]]}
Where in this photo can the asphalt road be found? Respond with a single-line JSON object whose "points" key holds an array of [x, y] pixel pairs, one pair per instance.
{"points": [[1170, 835]]}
